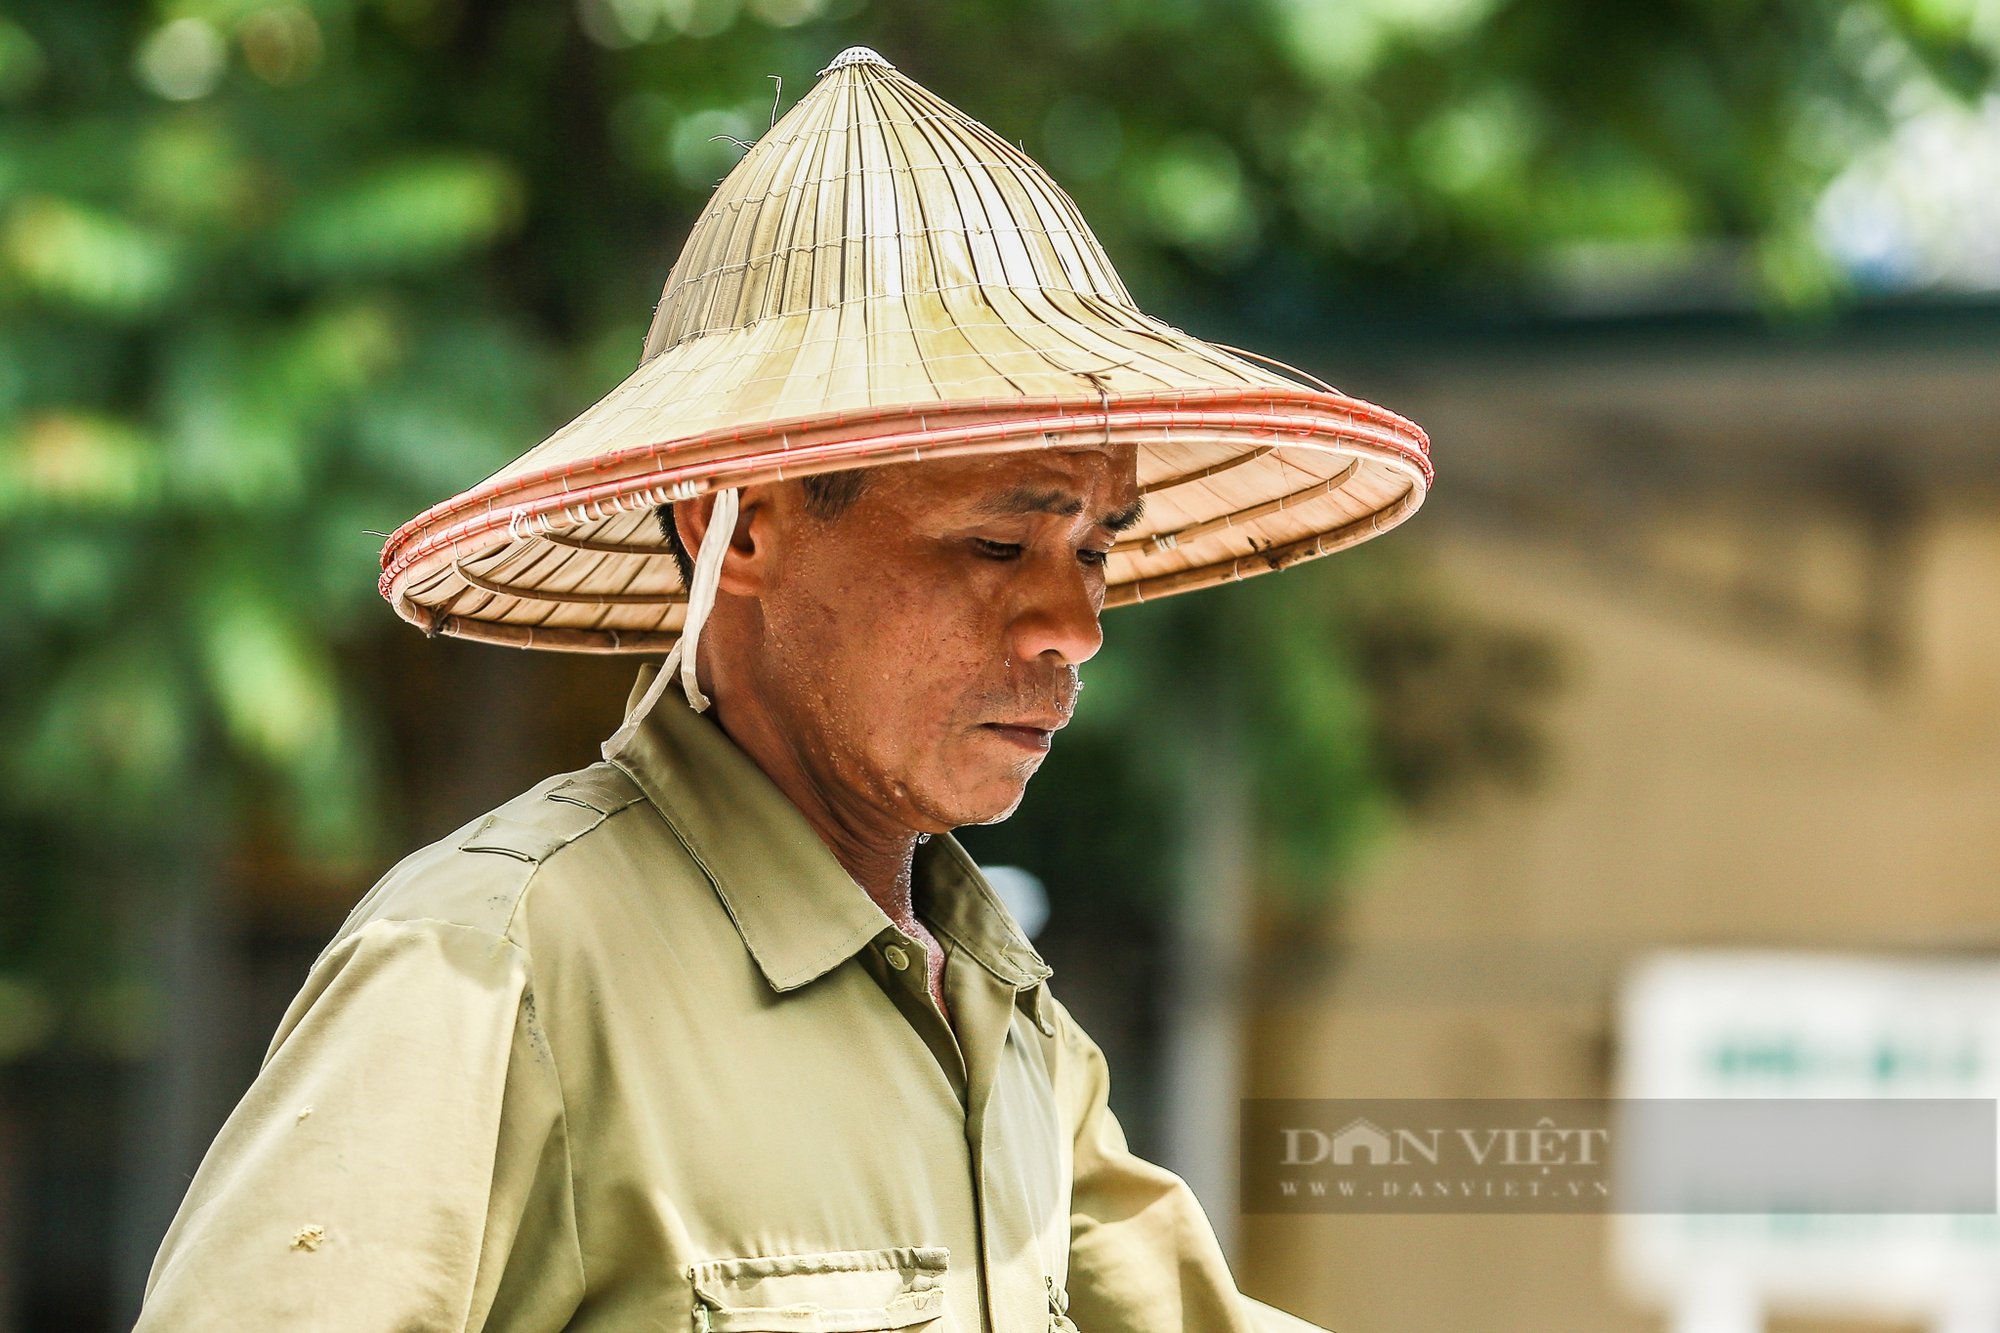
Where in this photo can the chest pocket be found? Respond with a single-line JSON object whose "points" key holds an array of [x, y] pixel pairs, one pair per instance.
{"points": [[838, 1291]]}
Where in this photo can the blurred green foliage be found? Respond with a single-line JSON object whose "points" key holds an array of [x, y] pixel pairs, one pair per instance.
{"points": [[276, 275]]}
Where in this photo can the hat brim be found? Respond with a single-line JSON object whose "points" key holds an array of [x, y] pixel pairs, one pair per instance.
{"points": [[1238, 482]]}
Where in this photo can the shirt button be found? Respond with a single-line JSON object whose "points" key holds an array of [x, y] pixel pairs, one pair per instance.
{"points": [[895, 957]]}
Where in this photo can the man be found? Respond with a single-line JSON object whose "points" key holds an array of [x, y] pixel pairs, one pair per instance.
{"points": [[727, 1032]]}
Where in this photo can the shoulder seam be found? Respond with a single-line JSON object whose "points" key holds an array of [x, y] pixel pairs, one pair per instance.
{"points": [[536, 867], [520, 832], [347, 937]]}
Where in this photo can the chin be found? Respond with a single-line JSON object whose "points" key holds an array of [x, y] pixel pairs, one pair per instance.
{"points": [[992, 812], [971, 786], [989, 806]]}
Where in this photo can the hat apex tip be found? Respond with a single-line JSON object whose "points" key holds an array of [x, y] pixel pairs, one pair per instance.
{"points": [[855, 55]]}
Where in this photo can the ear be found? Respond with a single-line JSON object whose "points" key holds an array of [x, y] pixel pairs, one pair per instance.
{"points": [[746, 566]]}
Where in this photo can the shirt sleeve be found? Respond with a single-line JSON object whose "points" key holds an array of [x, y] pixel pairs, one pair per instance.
{"points": [[399, 1162], [1143, 1257]]}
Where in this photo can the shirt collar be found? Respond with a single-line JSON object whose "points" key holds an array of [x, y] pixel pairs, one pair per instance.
{"points": [[798, 910]]}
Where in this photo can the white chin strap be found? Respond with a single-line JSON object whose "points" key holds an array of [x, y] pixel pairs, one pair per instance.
{"points": [[701, 600]]}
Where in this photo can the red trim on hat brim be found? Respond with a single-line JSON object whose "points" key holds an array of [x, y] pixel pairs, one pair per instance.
{"points": [[840, 440]]}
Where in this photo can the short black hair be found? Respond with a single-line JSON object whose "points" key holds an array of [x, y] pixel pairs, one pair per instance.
{"points": [[828, 495]]}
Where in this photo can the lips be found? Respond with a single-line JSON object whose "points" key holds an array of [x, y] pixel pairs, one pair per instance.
{"points": [[1037, 722], [1034, 735]]}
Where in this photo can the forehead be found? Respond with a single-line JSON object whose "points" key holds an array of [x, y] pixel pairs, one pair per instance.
{"points": [[1104, 477]]}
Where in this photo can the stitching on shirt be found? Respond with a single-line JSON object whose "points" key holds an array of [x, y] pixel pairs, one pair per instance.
{"points": [[527, 830], [920, 1260], [605, 793], [528, 838], [823, 962], [518, 838]]}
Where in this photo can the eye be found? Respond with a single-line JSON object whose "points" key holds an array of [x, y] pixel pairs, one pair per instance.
{"points": [[996, 550], [1093, 557]]}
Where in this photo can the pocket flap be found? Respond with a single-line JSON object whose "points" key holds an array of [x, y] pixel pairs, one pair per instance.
{"points": [[835, 1291]]}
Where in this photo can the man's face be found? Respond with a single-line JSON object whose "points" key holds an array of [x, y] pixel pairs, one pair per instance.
{"points": [[920, 649]]}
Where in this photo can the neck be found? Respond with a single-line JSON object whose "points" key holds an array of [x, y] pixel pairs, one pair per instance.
{"points": [[876, 851]]}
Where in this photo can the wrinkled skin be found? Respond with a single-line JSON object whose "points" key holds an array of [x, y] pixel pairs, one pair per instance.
{"points": [[901, 668]]}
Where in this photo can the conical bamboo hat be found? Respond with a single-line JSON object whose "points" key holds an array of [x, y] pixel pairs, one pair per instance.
{"points": [[881, 279]]}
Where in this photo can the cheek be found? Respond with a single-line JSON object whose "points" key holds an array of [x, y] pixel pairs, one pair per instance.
{"points": [[921, 648], [900, 655]]}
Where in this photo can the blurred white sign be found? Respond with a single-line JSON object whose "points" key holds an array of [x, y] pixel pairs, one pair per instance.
{"points": [[1727, 1024], [1025, 898]]}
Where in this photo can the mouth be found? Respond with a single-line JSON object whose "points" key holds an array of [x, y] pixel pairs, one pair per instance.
{"points": [[1035, 735]]}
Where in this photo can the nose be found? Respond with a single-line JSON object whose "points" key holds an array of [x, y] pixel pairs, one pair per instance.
{"points": [[1059, 614]]}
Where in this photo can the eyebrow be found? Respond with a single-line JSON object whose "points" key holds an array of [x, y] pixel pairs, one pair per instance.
{"points": [[1050, 500]]}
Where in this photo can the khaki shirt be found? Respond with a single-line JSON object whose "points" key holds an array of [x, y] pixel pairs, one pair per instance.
{"points": [[634, 1052]]}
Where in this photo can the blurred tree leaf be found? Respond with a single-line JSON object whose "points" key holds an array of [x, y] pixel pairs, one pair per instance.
{"points": [[410, 214], [92, 260]]}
